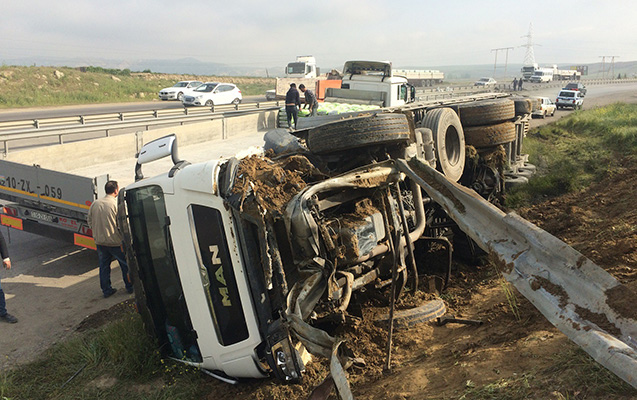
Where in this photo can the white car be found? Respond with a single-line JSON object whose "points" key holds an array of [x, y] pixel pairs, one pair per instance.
{"points": [[547, 107], [569, 98], [177, 91], [485, 82], [213, 93]]}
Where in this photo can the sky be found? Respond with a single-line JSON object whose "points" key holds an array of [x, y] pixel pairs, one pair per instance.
{"points": [[253, 33]]}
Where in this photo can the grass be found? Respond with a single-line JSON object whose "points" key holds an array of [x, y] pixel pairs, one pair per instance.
{"points": [[118, 361], [573, 374], [54, 86], [577, 151]]}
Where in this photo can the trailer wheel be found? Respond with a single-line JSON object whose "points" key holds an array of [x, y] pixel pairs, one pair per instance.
{"points": [[486, 112], [358, 132], [448, 141], [491, 135], [522, 105]]}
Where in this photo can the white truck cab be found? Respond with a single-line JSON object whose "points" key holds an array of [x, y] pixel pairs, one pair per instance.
{"points": [[372, 82], [196, 303], [303, 67]]}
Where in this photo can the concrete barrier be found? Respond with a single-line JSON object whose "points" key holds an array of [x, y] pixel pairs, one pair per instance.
{"points": [[72, 156]]}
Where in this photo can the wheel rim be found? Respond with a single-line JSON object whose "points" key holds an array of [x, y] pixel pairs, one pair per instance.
{"points": [[180, 96], [209, 103]]}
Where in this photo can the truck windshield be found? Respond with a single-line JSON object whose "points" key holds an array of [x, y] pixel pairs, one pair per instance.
{"points": [[156, 269], [296, 68]]}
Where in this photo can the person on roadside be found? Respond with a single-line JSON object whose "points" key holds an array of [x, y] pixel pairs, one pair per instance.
{"points": [[520, 84], [515, 84], [6, 263], [102, 217], [310, 100], [292, 104]]}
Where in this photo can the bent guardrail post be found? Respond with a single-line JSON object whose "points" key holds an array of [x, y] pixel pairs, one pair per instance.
{"points": [[581, 299]]}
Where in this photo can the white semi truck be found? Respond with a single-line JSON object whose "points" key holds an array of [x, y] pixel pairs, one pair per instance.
{"points": [[241, 265]]}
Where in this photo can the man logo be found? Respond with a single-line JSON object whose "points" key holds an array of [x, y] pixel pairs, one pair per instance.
{"points": [[225, 298]]}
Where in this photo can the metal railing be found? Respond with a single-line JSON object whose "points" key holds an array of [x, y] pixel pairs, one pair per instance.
{"points": [[61, 128]]}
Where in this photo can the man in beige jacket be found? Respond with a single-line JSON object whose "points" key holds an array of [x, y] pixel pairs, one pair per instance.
{"points": [[102, 218]]}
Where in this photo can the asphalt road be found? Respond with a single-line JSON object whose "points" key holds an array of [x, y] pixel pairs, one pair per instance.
{"points": [[53, 286], [91, 109]]}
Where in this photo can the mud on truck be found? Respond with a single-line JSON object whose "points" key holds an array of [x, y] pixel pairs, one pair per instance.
{"points": [[244, 266]]}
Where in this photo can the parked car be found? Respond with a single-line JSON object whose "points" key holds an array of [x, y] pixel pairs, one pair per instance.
{"points": [[547, 107], [213, 93], [569, 98], [177, 91], [485, 82], [576, 86]]}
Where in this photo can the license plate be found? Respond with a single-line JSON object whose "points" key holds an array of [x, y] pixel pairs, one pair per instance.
{"points": [[41, 216]]}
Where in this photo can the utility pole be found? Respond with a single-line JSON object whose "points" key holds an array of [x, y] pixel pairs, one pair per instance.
{"points": [[611, 68], [506, 59]]}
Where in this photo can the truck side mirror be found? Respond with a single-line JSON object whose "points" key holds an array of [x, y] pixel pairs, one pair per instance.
{"points": [[152, 151]]}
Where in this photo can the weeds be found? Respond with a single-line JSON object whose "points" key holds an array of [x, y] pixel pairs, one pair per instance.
{"points": [[577, 151], [117, 362], [45, 86]]}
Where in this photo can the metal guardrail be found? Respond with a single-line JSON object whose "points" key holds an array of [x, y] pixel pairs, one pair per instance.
{"points": [[62, 127]]}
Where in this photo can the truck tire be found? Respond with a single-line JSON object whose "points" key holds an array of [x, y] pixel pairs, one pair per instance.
{"points": [[486, 112], [358, 132], [406, 318], [511, 181], [522, 105], [489, 136], [448, 141]]}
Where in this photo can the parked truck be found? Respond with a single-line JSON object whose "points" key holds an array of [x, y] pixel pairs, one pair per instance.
{"points": [[303, 71]]}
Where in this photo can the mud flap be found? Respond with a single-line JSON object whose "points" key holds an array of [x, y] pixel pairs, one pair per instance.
{"points": [[581, 299]]}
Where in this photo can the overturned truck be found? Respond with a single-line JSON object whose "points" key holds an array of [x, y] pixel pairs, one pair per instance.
{"points": [[239, 263]]}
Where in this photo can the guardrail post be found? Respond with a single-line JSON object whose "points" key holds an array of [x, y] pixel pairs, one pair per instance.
{"points": [[36, 123], [212, 109], [61, 139], [6, 148], [155, 114], [82, 120], [185, 111], [121, 116]]}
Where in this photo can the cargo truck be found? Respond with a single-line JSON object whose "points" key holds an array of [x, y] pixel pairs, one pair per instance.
{"points": [[242, 266]]}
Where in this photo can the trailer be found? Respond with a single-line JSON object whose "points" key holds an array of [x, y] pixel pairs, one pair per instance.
{"points": [[49, 203], [421, 77]]}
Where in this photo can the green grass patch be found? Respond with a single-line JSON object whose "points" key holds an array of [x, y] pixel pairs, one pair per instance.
{"points": [[55, 86], [578, 150], [118, 361]]}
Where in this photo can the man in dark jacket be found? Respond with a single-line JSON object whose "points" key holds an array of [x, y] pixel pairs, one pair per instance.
{"points": [[292, 104], [310, 100], [6, 262]]}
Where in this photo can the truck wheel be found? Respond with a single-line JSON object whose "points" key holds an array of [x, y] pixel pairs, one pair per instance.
{"points": [[522, 105], [511, 181], [406, 318], [489, 136], [486, 112], [358, 132], [448, 141]]}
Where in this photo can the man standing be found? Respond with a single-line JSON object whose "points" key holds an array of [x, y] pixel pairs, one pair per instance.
{"points": [[6, 262], [292, 104], [310, 100], [515, 84], [102, 218], [520, 84]]}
